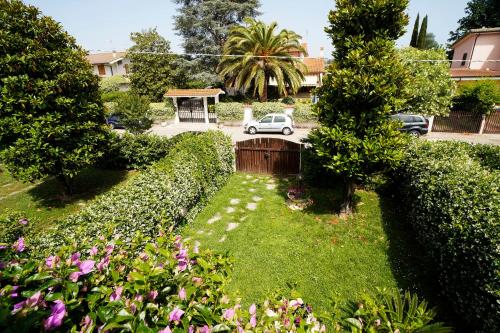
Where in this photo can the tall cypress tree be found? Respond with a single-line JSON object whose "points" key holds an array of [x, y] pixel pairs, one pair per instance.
{"points": [[414, 36], [366, 85], [422, 35]]}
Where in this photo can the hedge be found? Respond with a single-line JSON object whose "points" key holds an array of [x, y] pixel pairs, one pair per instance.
{"points": [[234, 111], [454, 208], [162, 111], [487, 155], [169, 193], [229, 111]]}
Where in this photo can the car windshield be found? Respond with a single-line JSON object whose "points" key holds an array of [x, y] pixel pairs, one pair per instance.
{"points": [[267, 119]]}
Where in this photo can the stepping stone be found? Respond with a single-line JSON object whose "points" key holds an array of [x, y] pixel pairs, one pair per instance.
{"points": [[222, 239], [232, 226], [256, 198], [249, 177], [251, 190], [255, 181], [199, 232], [210, 233], [271, 186], [214, 219], [234, 201], [244, 182], [243, 218], [252, 206], [271, 181], [230, 210]]}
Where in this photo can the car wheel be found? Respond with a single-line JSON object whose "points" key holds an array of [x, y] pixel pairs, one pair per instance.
{"points": [[252, 130], [414, 133], [287, 131]]}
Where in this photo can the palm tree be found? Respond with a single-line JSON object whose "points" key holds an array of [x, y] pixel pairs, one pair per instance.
{"points": [[254, 54]]}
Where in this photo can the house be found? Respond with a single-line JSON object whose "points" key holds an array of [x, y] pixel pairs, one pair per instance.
{"points": [[315, 71], [474, 55], [110, 63]]}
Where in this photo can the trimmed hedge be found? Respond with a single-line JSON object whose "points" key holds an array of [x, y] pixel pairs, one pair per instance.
{"points": [[162, 111], [234, 111], [487, 155], [261, 109], [229, 111], [169, 193], [304, 113], [454, 208]]}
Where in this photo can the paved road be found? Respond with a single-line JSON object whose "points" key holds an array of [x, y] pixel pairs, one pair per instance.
{"points": [[237, 134]]}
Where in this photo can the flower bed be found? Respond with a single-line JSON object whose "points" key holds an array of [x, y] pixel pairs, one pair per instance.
{"points": [[454, 207], [166, 194]]}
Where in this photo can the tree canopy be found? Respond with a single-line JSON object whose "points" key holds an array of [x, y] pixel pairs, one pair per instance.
{"points": [[431, 88], [365, 84], [51, 114], [479, 14], [264, 55], [151, 74], [204, 26]]}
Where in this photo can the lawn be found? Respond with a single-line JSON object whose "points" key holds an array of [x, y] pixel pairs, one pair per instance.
{"points": [[320, 255], [43, 201]]}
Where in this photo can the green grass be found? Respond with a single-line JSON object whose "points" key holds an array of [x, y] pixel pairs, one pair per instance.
{"points": [[43, 201], [322, 256]]}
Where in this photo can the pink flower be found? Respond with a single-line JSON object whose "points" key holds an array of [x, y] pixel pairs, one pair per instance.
{"points": [[93, 251], [73, 276], [18, 307], [228, 314], [253, 321], [75, 258], [52, 261], [143, 256], [165, 330], [104, 263], [56, 317], [19, 245], [14, 293], [117, 294], [152, 295], [253, 309], [197, 281], [182, 265], [86, 266], [138, 298], [23, 221], [86, 324], [34, 299], [176, 314], [181, 255], [205, 329], [191, 329], [182, 294], [109, 249]]}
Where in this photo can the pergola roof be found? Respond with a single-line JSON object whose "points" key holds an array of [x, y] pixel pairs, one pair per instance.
{"points": [[194, 92]]}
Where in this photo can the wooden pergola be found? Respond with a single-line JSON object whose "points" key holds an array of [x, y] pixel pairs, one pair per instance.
{"points": [[193, 93]]}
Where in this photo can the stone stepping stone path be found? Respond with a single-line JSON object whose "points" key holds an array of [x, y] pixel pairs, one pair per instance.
{"points": [[271, 186], [252, 190], [256, 198], [214, 219], [244, 182], [234, 201], [255, 180], [249, 177], [252, 206], [243, 218], [230, 210], [232, 226], [223, 239]]}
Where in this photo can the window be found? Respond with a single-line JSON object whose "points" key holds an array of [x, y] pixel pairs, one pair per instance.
{"points": [[464, 58], [279, 119], [119, 62], [101, 69], [267, 120]]}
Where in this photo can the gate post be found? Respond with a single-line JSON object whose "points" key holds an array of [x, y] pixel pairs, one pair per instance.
{"points": [[431, 123], [205, 109], [483, 123], [176, 107]]}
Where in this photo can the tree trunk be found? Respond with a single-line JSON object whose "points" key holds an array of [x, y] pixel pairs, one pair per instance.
{"points": [[347, 205], [67, 183], [263, 98]]}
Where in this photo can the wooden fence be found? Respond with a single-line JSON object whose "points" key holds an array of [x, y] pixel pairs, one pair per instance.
{"points": [[458, 122], [269, 155], [492, 123]]}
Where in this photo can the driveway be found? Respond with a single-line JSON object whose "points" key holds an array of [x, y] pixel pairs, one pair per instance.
{"points": [[236, 133]]}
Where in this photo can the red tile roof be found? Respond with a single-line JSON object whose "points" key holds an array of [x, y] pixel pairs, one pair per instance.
{"points": [[105, 58], [466, 72], [314, 65], [193, 92]]}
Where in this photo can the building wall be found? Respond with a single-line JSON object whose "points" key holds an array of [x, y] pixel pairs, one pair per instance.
{"points": [[465, 46], [487, 47], [113, 69]]}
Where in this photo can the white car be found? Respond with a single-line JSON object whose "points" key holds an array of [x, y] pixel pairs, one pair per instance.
{"points": [[273, 122]]}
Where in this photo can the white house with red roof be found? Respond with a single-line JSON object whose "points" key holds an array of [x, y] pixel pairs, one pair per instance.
{"points": [[109, 63]]}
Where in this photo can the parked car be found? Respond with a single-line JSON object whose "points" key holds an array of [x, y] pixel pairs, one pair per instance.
{"points": [[413, 124], [113, 121], [273, 122]]}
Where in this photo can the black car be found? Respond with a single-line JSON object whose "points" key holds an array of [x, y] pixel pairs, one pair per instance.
{"points": [[413, 124], [114, 122]]}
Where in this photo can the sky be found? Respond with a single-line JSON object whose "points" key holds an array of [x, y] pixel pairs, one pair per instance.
{"points": [[105, 25]]}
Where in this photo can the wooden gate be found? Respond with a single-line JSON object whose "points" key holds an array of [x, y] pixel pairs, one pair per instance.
{"points": [[192, 111], [269, 155], [458, 122], [492, 124]]}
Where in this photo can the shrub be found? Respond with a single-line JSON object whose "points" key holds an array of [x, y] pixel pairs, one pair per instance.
{"points": [[229, 111], [261, 109], [479, 97], [112, 83], [13, 225], [169, 193], [134, 113], [288, 100], [454, 207], [104, 286], [487, 155], [304, 113], [162, 111], [113, 96], [135, 151]]}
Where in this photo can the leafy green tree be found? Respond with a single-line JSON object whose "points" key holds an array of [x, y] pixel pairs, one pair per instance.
{"points": [[479, 97], [112, 83], [134, 114], [264, 55], [430, 42], [479, 13], [431, 87], [422, 35], [204, 25], [151, 74], [364, 86], [414, 35], [51, 113]]}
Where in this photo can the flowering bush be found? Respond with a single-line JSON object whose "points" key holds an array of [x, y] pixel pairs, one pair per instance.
{"points": [[454, 207], [168, 287], [167, 194]]}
